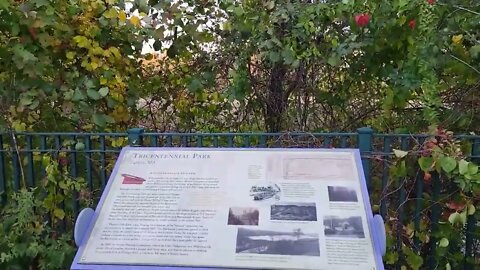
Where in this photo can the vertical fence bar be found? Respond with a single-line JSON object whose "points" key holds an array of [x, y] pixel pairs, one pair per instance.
{"points": [[15, 163], [58, 149], [215, 141], [169, 142], [30, 164], [435, 216], [246, 141], [154, 140], [3, 182], [385, 175], [199, 140], [365, 142], [103, 164], [471, 219], [74, 174], [184, 141], [263, 141], [43, 148], [418, 202], [343, 141], [326, 142], [88, 162], [401, 201], [230, 140]]}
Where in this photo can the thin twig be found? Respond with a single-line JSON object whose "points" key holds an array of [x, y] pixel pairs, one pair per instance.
{"points": [[465, 63]]}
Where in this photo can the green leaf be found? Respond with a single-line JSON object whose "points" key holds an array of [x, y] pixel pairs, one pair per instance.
{"points": [[59, 213], [415, 261], [15, 27], [93, 94], [463, 166], [333, 60], [425, 163], [63, 185], [448, 164], [443, 242], [391, 257], [453, 218], [103, 91], [4, 4], [40, 3], [89, 84], [475, 51], [458, 218], [79, 146], [288, 56], [238, 11], [472, 168], [195, 85], [471, 209], [400, 153], [25, 101], [78, 95], [270, 5], [99, 119], [157, 45], [34, 104]]}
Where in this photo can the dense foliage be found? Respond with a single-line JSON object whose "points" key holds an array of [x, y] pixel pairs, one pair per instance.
{"points": [[242, 65], [239, 65]]}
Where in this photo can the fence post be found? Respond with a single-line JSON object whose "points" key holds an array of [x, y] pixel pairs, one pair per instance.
{"points": [[365, 142], [135, 136]]}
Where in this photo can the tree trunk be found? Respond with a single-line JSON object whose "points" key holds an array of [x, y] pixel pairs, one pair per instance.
{"points": [[276, 102]]}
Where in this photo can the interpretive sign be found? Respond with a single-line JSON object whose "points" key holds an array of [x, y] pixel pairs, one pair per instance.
{"points": [[233, 208]]}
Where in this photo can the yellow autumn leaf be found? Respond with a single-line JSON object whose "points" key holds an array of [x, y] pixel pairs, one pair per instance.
{"points": [[122, 16], [115, 52], [111, 13], [457, 39], [134, 20], [70, 55]]}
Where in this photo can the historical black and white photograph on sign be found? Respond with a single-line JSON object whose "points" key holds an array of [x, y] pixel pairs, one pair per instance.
{"points": [[243, 216], [293, 211], [342, 194], [294, 242], [350, 227], [264, 192]]}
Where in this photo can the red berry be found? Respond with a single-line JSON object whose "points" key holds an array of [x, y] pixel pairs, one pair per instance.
{"points": [[362, 19], [63, 161], [431, 2], [412, 24], [427, 177]]}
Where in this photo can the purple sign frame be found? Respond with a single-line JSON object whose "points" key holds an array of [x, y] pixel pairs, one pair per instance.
{"points": [[376, 238]]}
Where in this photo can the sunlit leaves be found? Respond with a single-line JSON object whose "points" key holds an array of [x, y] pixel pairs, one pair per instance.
{"points": [[122, 16], [135, 21], [54, 48]]}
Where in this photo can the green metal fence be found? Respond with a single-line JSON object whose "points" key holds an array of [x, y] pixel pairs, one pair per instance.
{"points": [[92, 155]]}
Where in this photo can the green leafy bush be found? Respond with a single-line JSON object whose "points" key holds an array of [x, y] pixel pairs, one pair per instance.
{"points": [[35, 229]]}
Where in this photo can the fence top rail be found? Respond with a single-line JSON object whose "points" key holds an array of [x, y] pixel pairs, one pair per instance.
{"points": [[52, 134], [418, 136]]}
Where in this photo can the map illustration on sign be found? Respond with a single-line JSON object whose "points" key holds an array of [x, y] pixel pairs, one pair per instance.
{"points": [[232, 209]]}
